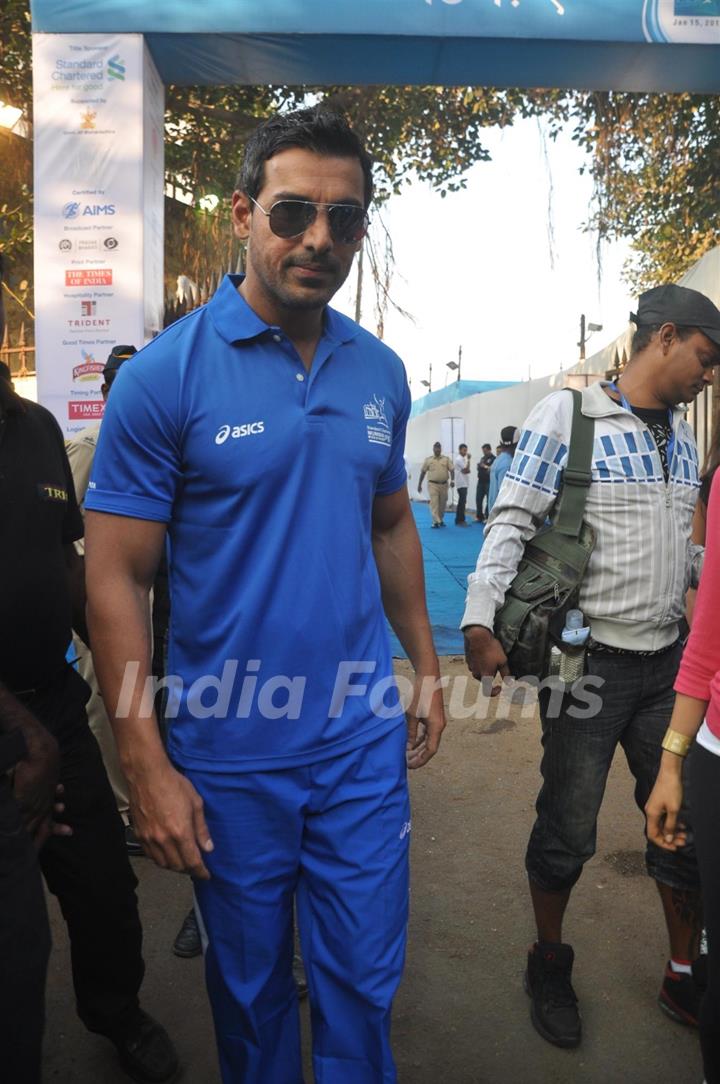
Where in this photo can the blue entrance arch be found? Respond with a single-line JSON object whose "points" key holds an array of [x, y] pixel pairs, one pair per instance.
{"points": [[636, 45]]}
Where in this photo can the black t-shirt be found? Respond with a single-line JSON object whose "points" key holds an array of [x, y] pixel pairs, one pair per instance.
{"points": [[38, 516], [483, 467], [658, 422]]}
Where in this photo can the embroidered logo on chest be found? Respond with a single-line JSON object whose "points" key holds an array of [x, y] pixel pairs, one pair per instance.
{"points": [[249, 429], [378, 430]]}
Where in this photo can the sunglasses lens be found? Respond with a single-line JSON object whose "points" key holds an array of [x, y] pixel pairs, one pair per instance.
{"points": [[348, 224], [289, 218]]}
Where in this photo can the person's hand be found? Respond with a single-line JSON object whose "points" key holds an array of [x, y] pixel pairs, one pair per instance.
{"points": [[35, 782], [484, 656], [425, 717], [661, 811], [168, 819], [58, 827], [420, 488]]}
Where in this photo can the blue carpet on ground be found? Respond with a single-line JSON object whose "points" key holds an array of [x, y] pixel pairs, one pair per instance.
{"points": [[449, 554]]}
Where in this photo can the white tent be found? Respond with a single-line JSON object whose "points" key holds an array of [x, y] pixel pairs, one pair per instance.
{"points": [[482, 415]]}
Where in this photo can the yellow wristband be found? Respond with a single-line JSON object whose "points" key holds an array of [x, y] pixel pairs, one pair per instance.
{"points": [[676, 743]]}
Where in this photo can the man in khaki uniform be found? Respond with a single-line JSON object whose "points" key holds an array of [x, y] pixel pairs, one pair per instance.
{"points": [[438, 468], [81, 452]]}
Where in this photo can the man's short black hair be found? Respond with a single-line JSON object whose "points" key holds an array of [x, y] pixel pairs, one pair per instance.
{"points": [[488, 446], [317, 129], [644, 335]]}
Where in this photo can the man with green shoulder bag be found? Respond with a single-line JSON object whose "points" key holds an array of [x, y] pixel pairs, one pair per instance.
{"points": [[609, 537]]}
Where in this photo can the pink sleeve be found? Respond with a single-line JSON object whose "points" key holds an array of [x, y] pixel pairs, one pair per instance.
{"points": [[701, 658]]}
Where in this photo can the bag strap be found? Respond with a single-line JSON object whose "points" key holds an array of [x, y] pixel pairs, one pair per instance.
{"points": [[577, 475]]}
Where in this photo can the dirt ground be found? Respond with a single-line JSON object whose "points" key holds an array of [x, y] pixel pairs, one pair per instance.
{"points": [[461, 1016]]}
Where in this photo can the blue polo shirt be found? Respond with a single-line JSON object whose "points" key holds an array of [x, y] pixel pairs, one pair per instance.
{"points": [[266, 476]]}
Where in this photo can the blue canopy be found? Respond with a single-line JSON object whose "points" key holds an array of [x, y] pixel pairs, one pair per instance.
{"points": [[459, 389], [661, 45]]}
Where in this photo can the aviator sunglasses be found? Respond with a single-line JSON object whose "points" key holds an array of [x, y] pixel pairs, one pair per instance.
{"points": [[291, 217]]}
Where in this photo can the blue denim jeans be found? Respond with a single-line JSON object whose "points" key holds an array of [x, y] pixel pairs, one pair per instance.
{"points": [[635, 704]]}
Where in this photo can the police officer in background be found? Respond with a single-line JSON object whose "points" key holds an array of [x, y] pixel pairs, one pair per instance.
{"points": [[439, 469], [42, 598]]}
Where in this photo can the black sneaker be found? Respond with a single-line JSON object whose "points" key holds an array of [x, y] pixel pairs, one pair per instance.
{"points": [[554, 1010], [146, 1053], [187, 943], [680, 997]]}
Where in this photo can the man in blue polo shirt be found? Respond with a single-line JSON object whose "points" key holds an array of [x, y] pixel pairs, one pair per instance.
{"points": [[286, 779]]}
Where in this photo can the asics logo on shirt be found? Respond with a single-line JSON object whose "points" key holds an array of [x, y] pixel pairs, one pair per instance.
{"points": [[248, 430]]}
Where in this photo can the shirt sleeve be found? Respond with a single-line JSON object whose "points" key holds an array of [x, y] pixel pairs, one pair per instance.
{"points": [[526, 498], [394, 475], [137, 467], [701, 658]]}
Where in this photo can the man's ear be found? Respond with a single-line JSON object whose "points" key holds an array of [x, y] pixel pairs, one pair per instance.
{"points": [[667, 334], [241, 215]]}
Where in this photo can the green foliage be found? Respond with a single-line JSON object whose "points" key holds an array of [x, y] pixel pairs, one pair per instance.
{"points": [[16, 55], [654, 159], [434, 133], [16, 223]]}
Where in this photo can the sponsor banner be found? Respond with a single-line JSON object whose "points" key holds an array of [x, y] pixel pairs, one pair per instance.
{"points": [[87, 411], [93, 204], [572, 20], [99, 277]]}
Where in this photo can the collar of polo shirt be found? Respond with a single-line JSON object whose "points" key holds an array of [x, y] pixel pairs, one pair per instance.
{"points": [[236, 322]]}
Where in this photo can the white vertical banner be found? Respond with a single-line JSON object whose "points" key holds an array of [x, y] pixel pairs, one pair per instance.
{"points": [[98, 134], [452, 435]]}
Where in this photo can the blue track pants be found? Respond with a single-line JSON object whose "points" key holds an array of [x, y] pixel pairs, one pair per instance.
{"points": [[335, 836]]}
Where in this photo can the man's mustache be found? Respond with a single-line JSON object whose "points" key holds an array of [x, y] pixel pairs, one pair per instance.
{"points": [[314, 265]]}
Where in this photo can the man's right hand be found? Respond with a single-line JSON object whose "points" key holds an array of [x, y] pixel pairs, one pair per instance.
{"points": [[485, 656], [168, 819]]}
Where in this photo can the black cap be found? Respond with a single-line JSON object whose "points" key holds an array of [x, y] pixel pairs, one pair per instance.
{"points": [[509, 436], [677, 305], [116, 357]]}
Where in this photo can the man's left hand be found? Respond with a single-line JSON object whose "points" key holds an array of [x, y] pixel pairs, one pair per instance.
{"points": [[425, 720]]}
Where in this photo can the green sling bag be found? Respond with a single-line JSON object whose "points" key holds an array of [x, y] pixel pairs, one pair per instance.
{"points": [[547, 582]]}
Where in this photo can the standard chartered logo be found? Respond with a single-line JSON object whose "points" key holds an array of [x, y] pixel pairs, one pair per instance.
{"points": [[249, 429], [116, 68]]}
